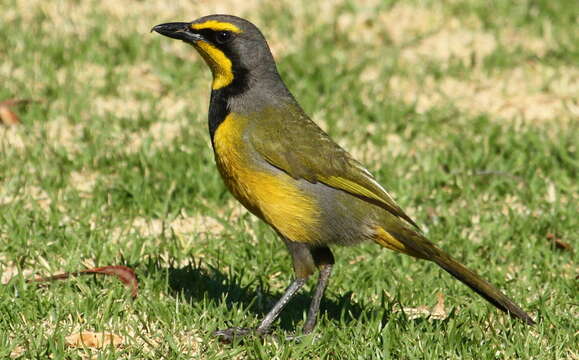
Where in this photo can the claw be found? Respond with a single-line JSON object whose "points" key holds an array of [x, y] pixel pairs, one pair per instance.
{"points": [[227, 336], [295, 338]]}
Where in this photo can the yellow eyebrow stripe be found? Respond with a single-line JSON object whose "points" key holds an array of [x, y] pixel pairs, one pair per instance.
{"points": [[216, 26]]}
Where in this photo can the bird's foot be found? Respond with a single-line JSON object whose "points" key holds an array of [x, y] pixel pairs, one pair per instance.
{"points": [[227, 336], [295, 338]]}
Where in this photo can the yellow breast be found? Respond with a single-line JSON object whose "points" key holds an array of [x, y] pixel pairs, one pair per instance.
{"points": [[274, 197]]}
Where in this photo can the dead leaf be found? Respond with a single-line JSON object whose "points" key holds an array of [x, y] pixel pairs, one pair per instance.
{"points": [[421, 311], [558, 243], [7, 116], [93, 340], [438, 311], [17, 352], [125, 274]]}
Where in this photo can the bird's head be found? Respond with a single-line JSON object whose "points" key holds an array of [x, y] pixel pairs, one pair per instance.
{"points": [[234, 48]]}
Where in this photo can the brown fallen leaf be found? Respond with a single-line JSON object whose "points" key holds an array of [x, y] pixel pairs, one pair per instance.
{"points": [[421, 311], [438, 311], [125, 274], [7, 116], [17, 352], [93, 340], [558, 243]]}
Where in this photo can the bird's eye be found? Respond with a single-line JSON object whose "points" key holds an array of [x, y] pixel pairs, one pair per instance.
{"points": [[223, 37]]}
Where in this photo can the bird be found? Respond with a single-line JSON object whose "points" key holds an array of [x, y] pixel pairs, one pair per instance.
{"points": [[287, 171]]}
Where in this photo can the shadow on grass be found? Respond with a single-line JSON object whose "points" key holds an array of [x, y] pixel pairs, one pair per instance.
{"points": [[196, 283]]}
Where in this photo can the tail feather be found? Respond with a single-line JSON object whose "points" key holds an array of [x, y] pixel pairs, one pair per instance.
{"points": [[413, 243], [482, 287]]}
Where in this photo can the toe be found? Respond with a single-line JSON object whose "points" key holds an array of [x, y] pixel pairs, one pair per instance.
{"points": [[227, 336]]}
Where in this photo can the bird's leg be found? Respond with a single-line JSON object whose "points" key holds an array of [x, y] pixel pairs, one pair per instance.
{"points": [[304, 266], [228, 335], [324, 260], [273, 314], [325, 272]]}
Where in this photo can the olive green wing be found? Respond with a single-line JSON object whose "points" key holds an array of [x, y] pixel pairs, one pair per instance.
{"points": [[287, 139]]}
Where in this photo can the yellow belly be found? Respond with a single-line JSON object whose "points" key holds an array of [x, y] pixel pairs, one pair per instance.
{"points": [[274, 197]]}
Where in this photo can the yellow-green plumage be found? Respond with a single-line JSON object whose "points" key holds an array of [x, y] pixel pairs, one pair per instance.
{"points": [[283, 168], [271, 195]]}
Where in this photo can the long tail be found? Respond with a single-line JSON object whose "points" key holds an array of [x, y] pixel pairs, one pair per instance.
{"points": [[412, 243]]}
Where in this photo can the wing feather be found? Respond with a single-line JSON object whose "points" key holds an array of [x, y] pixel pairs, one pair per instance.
{"points": [[287, 139]]}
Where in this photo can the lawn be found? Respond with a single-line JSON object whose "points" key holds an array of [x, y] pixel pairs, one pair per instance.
{"points": [[465, 110]]}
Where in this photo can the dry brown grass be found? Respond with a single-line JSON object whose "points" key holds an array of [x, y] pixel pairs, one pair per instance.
{"points": [[533, 93]]}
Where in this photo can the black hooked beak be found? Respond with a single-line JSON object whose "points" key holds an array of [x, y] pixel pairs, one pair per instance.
{"points": [[179, 31]]}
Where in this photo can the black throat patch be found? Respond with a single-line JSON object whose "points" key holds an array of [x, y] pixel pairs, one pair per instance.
{"points": [[219, 104], [218, 111]]}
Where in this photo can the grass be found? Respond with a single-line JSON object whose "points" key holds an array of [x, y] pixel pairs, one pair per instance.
{"points": [[113, 165]]}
